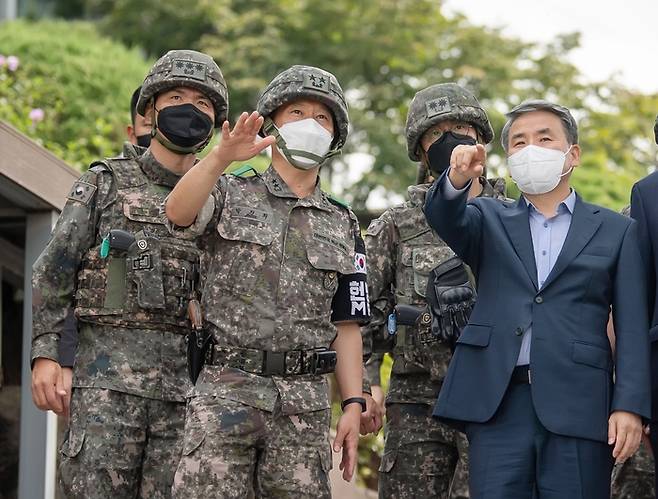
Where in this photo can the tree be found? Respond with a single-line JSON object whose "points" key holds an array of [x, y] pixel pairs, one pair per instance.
{"points": [[383, 52], [71, 90]]}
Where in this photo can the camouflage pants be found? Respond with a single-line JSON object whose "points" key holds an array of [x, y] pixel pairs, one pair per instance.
{"points": [[120, 446], [635, 479], [232, 450], [422, 457]]}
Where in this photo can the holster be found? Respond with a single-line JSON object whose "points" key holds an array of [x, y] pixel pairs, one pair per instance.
{"points": [[199, 342], [144, 261]]}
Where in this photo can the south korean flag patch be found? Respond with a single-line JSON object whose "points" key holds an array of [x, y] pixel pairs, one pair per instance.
{"points": [[360, 263]]}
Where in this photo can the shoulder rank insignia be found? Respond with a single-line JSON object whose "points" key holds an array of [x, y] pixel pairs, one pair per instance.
{"points": [[82, 192]]}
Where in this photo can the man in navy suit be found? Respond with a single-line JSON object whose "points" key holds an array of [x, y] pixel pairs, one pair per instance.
{"points": [[531, 379], [644, 209]]}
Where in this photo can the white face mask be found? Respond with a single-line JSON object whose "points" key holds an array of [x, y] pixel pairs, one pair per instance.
{"points": [[307, 143], [537, 170]]}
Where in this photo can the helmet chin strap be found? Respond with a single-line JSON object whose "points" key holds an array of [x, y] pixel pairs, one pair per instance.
{"points": [[271, 129]]}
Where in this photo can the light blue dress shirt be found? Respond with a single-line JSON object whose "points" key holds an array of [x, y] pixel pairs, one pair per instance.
{"points": [[548, 236]]}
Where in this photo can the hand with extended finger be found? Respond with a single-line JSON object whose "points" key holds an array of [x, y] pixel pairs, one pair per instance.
{"points": [[242, 142], [466, 163]]}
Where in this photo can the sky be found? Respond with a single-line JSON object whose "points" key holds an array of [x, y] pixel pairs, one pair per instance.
{"points": [[616, 37]]}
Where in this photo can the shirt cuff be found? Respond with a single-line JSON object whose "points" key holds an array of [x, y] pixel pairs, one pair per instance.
{"points": [[46, 346], [449, 191]]}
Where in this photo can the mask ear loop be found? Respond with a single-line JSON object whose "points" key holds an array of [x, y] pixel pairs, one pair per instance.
{"points": [[269, 128], [159, 136], [565, 157]]}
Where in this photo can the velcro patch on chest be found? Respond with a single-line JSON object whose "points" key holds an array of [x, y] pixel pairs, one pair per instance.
{"points": [[82, 192], [332, 241], [251, 214]]}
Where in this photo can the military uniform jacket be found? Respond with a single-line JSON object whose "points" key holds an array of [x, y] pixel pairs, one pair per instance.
{"points": [[402, 250], [137, 351], [282, 272]]}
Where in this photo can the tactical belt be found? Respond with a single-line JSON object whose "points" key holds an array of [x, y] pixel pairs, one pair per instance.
{"points": [[267, 363]]}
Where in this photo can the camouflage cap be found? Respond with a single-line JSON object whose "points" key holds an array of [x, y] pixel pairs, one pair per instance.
{"points": [[441, 102], [307, 82], [186, 68]]}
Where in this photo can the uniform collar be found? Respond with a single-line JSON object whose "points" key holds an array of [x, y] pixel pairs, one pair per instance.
{"points": [[277, 187], [417, 193], [155, 172], [131, 150]]}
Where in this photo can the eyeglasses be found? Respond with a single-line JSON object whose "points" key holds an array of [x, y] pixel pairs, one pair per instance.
{"points": [[459, 128]]}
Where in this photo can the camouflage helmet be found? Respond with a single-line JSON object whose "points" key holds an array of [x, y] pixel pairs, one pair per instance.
{"points": [[186, 68], [307, 82], [441, 102]]}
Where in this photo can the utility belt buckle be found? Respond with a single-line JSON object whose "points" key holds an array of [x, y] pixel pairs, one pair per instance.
{"points": [[274, 363], [323, 361]]}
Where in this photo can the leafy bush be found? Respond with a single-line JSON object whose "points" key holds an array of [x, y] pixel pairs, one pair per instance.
{"points": [[80, 81]]}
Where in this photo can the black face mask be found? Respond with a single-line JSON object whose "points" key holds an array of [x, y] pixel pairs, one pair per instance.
{"points": [[440, 151], [144, 140], [184, 126]]}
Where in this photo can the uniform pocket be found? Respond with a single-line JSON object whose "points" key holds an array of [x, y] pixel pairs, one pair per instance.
{"points": [[194, 434], [75, 439], [326, 459], [423, 261], [242, 259], [388, 461], [193, 440]]}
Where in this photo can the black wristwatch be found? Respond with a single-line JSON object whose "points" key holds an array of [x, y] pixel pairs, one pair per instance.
{"points": [[354, 400]]}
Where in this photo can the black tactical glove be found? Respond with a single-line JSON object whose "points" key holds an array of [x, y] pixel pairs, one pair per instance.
{"points": [[450, 298]]}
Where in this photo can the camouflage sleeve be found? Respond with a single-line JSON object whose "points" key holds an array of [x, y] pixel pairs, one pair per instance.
{"points": [[381, 247], [55, 271], [373, 368]]}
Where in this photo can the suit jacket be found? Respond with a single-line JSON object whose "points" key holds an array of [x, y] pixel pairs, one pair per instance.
{"points": [[571, 361], [644, 209]]}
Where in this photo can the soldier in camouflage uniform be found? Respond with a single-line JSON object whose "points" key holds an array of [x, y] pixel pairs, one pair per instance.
{"points": [[130, 291], [422, 457], [284, 296], [136, 133]]}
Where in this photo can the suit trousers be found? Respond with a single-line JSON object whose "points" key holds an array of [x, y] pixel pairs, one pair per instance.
{"points": [[513, 456]]}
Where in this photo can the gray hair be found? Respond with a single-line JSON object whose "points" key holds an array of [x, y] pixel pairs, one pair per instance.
{"points": [[568, 121]]}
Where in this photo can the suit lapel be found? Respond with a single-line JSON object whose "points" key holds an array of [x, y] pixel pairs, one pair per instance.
{"points": [[584, 224], [516, 223]]}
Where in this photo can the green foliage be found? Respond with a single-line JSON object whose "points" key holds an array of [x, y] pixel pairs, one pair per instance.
{"points": [[383, 52], [82, 82]]}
